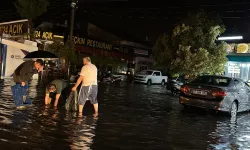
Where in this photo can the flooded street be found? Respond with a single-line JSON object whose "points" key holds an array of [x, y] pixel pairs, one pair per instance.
{"points": [[131, 117]]}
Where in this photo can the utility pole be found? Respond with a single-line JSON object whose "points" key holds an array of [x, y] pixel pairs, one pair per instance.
{"points": [[1, 52], [73, 7]]}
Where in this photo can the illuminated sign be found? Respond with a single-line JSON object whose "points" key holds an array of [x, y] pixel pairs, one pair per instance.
{"points": [[140, 51], [14, 29], [92, 43], [43, 35]]}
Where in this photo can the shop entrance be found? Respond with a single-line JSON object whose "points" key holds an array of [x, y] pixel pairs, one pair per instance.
{"points": [[238, 70]]}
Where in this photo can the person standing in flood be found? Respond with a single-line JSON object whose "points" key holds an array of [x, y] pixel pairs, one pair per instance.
{"points": [[22, 75], [89, 88]]}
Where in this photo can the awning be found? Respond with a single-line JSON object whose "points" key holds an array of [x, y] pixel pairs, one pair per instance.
{"points": [[239, 58]]}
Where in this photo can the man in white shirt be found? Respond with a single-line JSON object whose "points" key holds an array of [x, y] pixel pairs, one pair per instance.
{"points": [[89, 89]]}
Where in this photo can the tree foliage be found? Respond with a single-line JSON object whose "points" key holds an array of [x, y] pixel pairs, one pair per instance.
{"points": [[64, 51], [192, 47], [31, 9]]}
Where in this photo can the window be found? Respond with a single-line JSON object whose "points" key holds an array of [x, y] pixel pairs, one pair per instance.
{"points": [[157, 74], [146, 72], [238, 84], [212, 80]]}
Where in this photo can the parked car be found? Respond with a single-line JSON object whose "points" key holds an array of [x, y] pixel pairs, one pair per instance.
{"points": [[218, 93], [150, 77], [110, 78]]}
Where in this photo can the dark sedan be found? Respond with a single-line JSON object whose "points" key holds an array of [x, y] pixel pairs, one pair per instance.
{"points": [[218, 93]]}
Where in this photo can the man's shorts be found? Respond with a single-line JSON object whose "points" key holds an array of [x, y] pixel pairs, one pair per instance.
{"points": [[88, 93]]}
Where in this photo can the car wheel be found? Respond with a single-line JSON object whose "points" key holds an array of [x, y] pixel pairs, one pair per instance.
{"points": [[149, 82], [163, 82], [173, 93], [233, 110]]}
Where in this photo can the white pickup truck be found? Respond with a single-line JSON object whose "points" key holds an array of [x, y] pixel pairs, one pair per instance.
{"points": [[150, 77]]}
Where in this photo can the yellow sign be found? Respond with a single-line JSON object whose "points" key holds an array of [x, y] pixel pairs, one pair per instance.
{"points": [[92, 43], [44, 35], [78, 40], [12, 29]]}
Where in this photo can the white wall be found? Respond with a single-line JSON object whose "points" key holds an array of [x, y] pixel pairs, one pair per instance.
{"points": [[15, 53]]}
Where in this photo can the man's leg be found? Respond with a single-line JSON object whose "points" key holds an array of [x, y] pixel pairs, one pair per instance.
{"points": [[80, 110], [96, 108], [93, 99], [82, 98], [17, 94]]}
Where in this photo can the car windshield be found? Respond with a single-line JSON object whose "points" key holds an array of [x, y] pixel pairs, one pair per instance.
{"points": [[146, 72], [212, 80]]}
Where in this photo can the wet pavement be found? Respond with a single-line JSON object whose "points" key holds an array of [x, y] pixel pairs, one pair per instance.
{"points": [[131, 117]]}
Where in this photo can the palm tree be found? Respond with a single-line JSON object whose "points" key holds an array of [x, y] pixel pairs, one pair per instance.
{"points": [[31, 9]]}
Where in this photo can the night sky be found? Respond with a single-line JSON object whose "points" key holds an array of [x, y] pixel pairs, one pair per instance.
{"points": [[136, 20]]}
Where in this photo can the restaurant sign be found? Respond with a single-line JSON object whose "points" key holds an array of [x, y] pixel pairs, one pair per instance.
{"points": [[92, 43], [14, 28]]}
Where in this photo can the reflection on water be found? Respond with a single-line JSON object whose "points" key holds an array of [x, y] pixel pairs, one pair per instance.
{"points": [[131, 117]]}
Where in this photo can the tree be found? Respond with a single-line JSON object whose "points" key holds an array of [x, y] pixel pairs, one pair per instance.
{"points": [[192, 47], [31, 9], [64, 51]]}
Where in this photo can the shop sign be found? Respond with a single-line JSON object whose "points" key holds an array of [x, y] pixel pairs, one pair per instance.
{"points": [[16, 56], [238, 48], [121, 49], [92, 43], [233, 68], [43, 35], [141, 52], [14, 28]]}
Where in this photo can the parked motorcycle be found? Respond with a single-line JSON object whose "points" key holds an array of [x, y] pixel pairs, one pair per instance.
{"points": [[174, 86]]}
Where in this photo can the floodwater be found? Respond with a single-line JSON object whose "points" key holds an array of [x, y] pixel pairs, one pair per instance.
{"points": [[131, 117]]}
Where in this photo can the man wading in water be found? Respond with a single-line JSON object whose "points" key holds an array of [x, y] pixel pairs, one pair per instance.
{"points": [[22, 75], [26, 70], [89, 89], [56, 88]]}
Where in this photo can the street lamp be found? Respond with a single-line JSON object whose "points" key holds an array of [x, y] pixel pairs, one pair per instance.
{"points": [[1, 57], [230, 38], [73, 6]]}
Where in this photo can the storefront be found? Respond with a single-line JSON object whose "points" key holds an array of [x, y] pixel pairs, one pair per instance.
{"points": [[238, 64], [106, 56], [143, 61]]}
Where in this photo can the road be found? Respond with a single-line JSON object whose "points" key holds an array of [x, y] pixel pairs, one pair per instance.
{"points": [[131, 116]]}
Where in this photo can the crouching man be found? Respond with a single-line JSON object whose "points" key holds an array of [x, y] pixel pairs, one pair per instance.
{"points": [[89, 89], [55, 90]]}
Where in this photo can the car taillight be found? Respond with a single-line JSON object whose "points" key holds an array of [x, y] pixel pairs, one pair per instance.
{"points": [[219, 94], [184, 89]]}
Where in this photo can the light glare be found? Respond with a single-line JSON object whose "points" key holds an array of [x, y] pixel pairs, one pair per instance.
{"points": [[231, 38]]}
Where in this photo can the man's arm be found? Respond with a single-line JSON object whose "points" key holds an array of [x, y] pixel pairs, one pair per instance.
{"points": [[26, 74], [56, 100], [47, 98], [79, 80]]}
